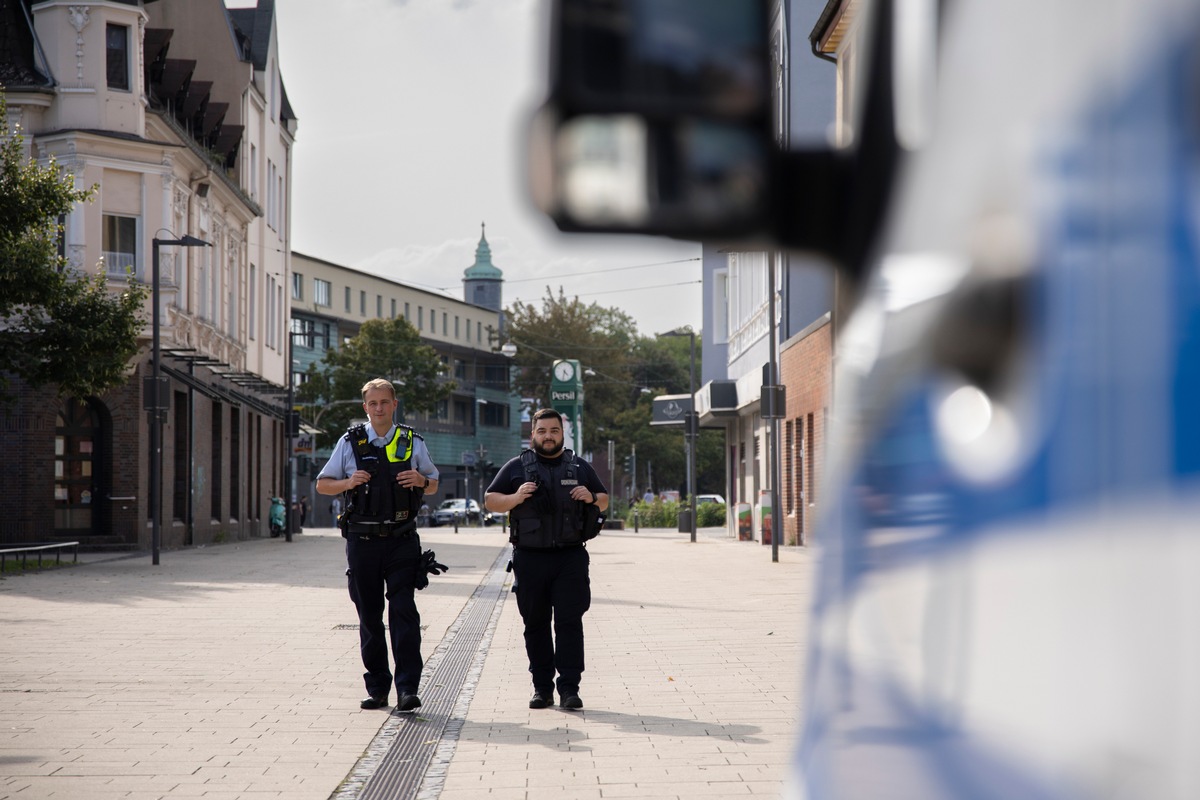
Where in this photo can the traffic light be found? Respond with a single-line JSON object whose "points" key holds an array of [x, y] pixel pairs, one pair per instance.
{"points": [[628, 464]]}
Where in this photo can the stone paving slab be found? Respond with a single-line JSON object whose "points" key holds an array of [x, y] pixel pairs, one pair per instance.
{"points": [[232, 671]]}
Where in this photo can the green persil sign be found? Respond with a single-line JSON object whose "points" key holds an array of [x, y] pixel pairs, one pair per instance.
{"points": [[566, 397]]}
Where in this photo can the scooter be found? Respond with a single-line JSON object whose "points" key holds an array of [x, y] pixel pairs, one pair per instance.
{"points": [[277, 518]]}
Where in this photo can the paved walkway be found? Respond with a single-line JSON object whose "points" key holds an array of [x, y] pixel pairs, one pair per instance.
{"points": [[232, 671]]}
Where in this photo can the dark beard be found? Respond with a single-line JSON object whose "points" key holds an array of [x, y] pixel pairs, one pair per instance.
{"points": [[541, 450]]}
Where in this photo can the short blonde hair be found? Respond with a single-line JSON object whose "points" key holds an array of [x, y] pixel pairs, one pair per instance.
{"points": [[378, 383]]}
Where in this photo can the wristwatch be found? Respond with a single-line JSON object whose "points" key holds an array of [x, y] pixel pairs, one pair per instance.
{"points": [[426, 486]]}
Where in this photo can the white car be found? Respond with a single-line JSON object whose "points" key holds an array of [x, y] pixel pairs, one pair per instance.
{"points": [[709, 498]]}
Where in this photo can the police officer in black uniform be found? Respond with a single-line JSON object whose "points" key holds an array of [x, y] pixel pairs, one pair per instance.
{"points": [[384, 470], [545, 491]]}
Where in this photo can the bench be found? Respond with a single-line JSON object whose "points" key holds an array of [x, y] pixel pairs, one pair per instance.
{"points": [[24, 551]]}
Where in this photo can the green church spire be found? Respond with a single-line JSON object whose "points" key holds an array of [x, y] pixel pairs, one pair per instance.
{"points": [[483, 268]]}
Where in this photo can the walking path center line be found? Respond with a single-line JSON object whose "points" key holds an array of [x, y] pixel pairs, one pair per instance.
{"points": [[414, 750]]}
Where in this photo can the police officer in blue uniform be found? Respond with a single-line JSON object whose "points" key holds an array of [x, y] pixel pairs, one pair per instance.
{"points": [[383, 470], [545, 491]]}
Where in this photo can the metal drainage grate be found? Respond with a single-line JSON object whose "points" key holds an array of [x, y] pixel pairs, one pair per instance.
{"points": [[398, 761]]}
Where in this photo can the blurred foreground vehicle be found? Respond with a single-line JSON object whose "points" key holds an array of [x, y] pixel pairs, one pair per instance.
{"points": [[1008, 585]]}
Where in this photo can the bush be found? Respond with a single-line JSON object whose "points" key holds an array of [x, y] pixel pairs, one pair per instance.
{"points": [[710, 515], [665, 514], [659, 514]]}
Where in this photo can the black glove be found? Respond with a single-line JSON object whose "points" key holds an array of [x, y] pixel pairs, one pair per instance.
{"points": [[428, 566], [429, 562]]}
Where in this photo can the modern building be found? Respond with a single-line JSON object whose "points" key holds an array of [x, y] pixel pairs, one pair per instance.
{"points": [[739, 333], [176, 112], [478, 423]]}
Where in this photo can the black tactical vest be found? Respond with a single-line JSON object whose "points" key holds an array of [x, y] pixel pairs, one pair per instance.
{"points": [[381, 499], [549, 517]]}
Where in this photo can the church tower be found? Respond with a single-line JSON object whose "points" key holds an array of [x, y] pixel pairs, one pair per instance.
{"points": [[482, 280]]}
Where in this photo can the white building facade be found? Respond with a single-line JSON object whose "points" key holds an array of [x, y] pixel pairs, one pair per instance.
{"points": [[176, 113]]}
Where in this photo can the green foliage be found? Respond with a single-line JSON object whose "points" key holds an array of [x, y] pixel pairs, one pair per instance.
{"points": [[665, 514], [659, 514], [710, 515], [60, 327], [383, 348], [606, 341]]}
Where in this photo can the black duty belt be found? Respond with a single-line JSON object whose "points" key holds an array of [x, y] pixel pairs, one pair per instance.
{"points": [[383, 529]]}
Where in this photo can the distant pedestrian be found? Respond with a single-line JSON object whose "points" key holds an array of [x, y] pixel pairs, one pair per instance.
{"points": [[384, 471], [648, 497], [549, 518], [303, 510]]}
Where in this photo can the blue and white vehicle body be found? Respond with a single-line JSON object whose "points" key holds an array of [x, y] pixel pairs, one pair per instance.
{"points": [[1008, 588], [1009, 580]]}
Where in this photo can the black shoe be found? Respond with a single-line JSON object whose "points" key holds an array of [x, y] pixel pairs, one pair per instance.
{"points": [[408, 702], [541, 700], [571, 702], [371, 703]]}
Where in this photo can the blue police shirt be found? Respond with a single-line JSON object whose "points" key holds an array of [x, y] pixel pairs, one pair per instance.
{"points": [[341, 463]]}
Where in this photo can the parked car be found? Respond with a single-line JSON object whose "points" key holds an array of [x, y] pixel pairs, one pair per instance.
{"points": [[709, 498], [467, 512], [493, 517]]}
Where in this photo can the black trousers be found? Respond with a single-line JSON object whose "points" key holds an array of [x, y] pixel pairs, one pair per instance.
{"points": [[385, 568], [553, 587]]}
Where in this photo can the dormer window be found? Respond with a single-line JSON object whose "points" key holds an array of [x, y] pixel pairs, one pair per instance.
{"points": [[117, 46]]}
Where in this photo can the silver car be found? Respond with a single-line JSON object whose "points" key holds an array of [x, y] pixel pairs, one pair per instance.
{"points": [[467, 511]]}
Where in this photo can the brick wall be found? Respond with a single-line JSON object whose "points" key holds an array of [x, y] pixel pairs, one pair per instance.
{"points": [[806, 369], [121, 465]]}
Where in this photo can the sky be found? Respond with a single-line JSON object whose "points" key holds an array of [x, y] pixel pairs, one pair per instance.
{"points": [[412, 119]]}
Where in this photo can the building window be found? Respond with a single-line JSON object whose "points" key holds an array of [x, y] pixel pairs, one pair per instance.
{"points": [[420, 318], [297, 286], [270, 194], [347, 299], [493, 415], [214, 478], [407, 313], [303, 333], [120, 244], [183, 458], [362, 303], [378, 306], [393, 308], [253, 173], [76, 475], [117, 40], [322, 292], [253, 305], [456, 333], [445, 324], [810, 460], [720, 306], [235, 462]]}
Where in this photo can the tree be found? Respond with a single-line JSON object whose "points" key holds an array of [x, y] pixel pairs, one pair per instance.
{"points": [[57, 326], [606, 342], [601, 338], [383, 348]]}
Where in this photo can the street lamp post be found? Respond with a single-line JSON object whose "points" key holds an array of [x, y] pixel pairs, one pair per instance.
{"points": [[156, 398], [690, 424]]}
